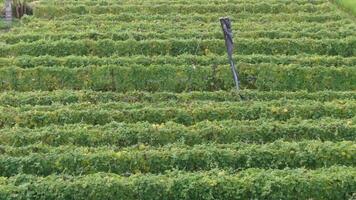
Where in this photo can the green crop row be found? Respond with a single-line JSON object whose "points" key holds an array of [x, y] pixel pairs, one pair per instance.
{"points": [[191, 22], [157, 23], [229, 131], [50, 11], [76, 161], [32, 37], [344, 149], [172, 2], [334, 16], [129, 106], [241, 18], [345, 47], [275, 34], [192, 29], [125, 2], [186, 113], [332, 183], [17, 99], [24, 61], [177, 78], [283, 109]]}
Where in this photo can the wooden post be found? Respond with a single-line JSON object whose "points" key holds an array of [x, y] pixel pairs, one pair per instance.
{"points": [[226, 28], [8, 10]]}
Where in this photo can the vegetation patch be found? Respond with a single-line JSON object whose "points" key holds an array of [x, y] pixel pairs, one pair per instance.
{"points": [[349, 5]]}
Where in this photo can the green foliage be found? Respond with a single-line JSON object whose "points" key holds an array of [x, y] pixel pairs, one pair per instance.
{"points": [[43, 160], [302, 60], [110, 100], [78, 24], [349, 5], [333, 183], [4, 25], [214, 34], [178, 78], [18, 99], [49, 11], [102, 48], [184, 113], [226, 131]]}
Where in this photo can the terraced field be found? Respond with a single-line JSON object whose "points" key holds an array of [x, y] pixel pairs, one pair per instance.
{"points": [[135, 99]]}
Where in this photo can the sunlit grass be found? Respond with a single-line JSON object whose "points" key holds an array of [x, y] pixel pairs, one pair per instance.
{"points": [[349, 5]]}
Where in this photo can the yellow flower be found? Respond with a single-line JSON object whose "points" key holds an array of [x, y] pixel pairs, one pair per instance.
{"points": [[141, 146], [212, 182], [155, 125], [274, 109], [221, 173], [206, 51]]}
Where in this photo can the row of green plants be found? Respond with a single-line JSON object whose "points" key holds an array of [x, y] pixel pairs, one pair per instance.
{"points": [[127, 106], [188, 113], [303, 60], [43, 161], [18, 99], [119, 36], [182, 3], [196, 18], [175, 2], [343, 149], [106, 47], [328, 183], [314, 24], [198, 22], [175, 78], [55, 11], [222, 132], [189, 22]]}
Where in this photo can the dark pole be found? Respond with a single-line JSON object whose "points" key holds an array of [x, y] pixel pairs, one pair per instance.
{"points": [[226, 27]]}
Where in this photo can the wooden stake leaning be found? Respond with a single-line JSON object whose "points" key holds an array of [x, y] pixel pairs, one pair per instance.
{"points": [[226, 27]]}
